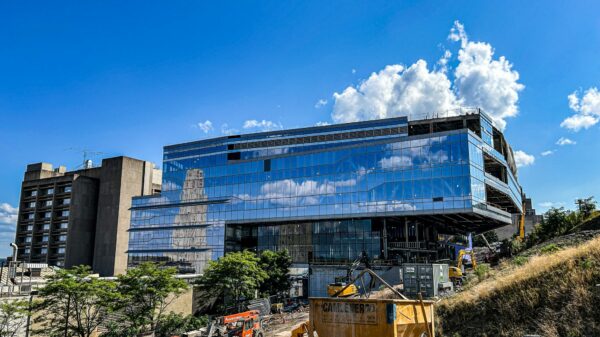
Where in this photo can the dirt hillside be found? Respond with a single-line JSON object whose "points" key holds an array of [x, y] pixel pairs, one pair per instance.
{"points": [[551, 295]]}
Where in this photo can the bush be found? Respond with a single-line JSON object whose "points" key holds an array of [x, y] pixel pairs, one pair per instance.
{"points": [[549, 249], [520, 260], [481, 271], [177, 324]]}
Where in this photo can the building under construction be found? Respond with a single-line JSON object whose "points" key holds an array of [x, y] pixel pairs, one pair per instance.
{"points": [[391, 188]]}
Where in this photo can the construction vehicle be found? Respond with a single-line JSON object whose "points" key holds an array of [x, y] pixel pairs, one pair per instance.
{"points": [[367, 315], [349, 289], [243, 324], [457, 273]]}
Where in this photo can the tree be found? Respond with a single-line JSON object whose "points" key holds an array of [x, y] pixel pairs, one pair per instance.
{"points": [[146, 291], [13, 315], [233, 277], [277, 266], [74, 303], [490, 236], [176, 324], [586, 206]]}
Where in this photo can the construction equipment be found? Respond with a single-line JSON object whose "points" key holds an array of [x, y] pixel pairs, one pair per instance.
{"points": [[457, 274], [342, 282], [366, 316], [243, 324]]}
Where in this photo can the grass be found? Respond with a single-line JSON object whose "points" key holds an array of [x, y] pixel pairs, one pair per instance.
{"points": [[552, 294]]}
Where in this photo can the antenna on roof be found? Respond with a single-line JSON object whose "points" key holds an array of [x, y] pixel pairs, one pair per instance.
{"points": [[87, 155]]}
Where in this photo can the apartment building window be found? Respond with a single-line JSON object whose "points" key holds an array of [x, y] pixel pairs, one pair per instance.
{"points": [[64, 213], [66, 201], [49, 191], [62, 238], [31, 193], [27, 251], [28, 227], [61, 250], [63, 225], [28, 239], [46, 226], [44, 251], [45, 238], [29, 216], [47, 215], [47, 203], [30, 205], [67, 189]]}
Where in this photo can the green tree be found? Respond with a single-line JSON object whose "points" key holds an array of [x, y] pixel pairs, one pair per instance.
{"points": [[277, 266], [146, 291], [586, 206], [490, 236], [174, 324], [233, 277], [74, 303], [13, 315]]}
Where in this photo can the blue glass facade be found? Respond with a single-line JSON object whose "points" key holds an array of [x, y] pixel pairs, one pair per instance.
{"points": [[324, 193]]}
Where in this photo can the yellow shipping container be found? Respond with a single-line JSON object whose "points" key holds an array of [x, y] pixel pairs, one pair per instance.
{"points": [[359, 317]]}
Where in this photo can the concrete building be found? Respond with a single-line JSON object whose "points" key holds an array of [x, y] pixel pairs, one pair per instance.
{"points": [[69, 218], [392, 188]]}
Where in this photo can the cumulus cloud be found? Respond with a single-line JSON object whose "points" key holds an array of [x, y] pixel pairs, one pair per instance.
{"points": [[395, 91], [8, 218], [289, 192], [206, 127], [226, 130], [263, 125], [395, 162], [548, 204], [321, 123], [547, 153], [586, 108], [480, 80], [320, 103], [562, 141], [523, 159]]}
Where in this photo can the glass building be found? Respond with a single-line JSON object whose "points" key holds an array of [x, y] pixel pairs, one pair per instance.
{"points": [[392, 188]]}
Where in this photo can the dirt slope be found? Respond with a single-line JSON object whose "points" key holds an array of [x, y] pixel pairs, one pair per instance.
{"points": [[550, 295]]}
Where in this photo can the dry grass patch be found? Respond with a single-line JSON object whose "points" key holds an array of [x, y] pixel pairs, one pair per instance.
{"points": [[552, 294]]}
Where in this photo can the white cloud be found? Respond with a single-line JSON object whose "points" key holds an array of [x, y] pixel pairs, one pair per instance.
{"points": [[523, 159], [415, 91], [565, 141], [353, 71], [321, 103], [8, 214], [548, 204], [226, 130], [321, 123], [395, 162], [547, 153], [586, 108], [482, 81], [206, 127], [289, 192], [263, 125], [395, 91]]}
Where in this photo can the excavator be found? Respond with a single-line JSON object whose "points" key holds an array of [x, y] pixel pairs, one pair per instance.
{"points": [[341, 286], [456, 274]]}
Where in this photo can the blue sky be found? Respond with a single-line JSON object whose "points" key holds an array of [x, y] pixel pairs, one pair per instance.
{"points": [[126, 78]]}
